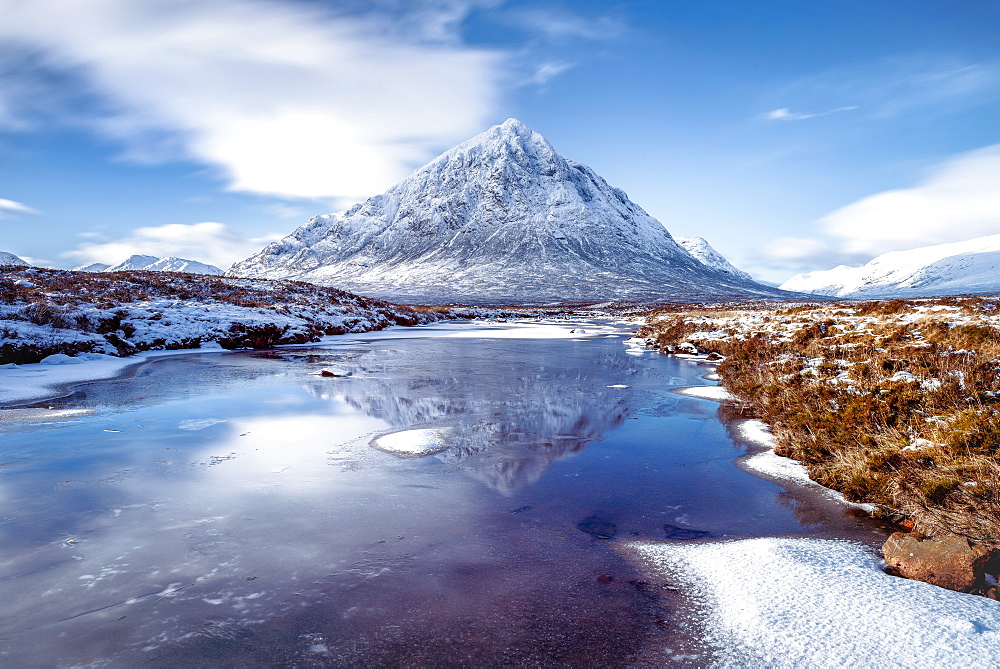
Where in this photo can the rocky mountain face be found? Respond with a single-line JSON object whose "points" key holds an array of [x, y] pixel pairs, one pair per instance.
{"points": [[11, 260], [501, 218], [972, 266], [153, 264]]}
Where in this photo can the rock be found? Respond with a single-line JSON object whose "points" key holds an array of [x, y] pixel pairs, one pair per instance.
{"points": [[598, 527], [686, 533], [947, 561]]}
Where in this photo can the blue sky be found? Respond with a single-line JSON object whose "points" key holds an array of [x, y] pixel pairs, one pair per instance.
{"points": [[791, 135]]}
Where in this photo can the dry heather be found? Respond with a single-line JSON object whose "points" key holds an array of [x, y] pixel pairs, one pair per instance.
{"points": [[893, 402], [43, 312]]}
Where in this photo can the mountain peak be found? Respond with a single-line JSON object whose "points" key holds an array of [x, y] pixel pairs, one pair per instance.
{"points": [[509, 142], [11, 259], [501, 217]]}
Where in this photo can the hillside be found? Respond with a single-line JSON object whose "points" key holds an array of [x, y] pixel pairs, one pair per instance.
{"points": [[46, 311]]}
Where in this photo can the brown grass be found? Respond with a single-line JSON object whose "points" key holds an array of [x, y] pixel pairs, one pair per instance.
{"points": [[833, 381]]}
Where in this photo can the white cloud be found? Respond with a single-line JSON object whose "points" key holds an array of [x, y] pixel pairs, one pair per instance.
{"points": [[958, 200], [785, 114], [210, 242], [546, 71], [286, 211], [779, 258], [284, 98], [10, 208], [560, 23]]}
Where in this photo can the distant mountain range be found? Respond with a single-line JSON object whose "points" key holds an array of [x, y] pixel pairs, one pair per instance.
{"points": [[11, 259], [153, 264], [502, 218], [971, 266]]}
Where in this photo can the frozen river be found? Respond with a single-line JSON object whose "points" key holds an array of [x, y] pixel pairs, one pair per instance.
{"points": [[229, 509]]}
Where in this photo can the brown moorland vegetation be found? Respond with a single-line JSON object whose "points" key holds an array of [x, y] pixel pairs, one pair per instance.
{"points": [[892, 402], [46, 311]]}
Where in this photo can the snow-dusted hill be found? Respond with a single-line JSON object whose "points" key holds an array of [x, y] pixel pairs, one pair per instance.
{"points": [[50, 311], [708, 256], [154, 264], [972, 266], [92, 267], [11, 259], [499, 218]]}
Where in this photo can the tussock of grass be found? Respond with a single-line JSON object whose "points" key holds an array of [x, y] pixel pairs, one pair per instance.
{"points": [[892, 402]]}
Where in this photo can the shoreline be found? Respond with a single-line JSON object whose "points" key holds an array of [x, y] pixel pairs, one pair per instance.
{"points": [[803, 600], [29, 383]]}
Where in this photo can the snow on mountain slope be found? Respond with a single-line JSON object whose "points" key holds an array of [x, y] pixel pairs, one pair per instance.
{"points": [[154, 264], [972, 266], [133, 262], [92, 267], [706, 255], [11, 259], [171, 264], [499, 218]]}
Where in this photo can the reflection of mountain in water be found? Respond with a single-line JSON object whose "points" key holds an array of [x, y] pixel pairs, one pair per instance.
{"points": [[512, 412]]}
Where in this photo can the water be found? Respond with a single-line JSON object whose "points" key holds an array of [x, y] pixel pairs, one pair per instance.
{"points": [[228, 509]]}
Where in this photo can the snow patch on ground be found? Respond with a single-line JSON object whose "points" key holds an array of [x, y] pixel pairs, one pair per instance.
{"points": [[716, 393], [414, 443], [781, 602]]}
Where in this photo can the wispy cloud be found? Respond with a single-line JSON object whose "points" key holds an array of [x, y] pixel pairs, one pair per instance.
{"points": [[560, 23], [785, 114], [290, 99], [546, 71], [890, 87], [10, 209], [209, 242]]}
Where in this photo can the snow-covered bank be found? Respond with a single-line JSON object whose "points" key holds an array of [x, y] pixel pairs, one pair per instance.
{"points": [[44, 312], [768, 464], [780, 602]]}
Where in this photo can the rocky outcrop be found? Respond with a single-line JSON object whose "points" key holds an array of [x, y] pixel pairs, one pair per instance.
{"points": [[947, 561]]}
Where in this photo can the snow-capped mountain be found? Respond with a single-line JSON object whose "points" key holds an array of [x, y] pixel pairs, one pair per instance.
{"points": [[11, 259], [155, 264], [92, 267], [499, 218], [704, 253], [972, 266]]}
